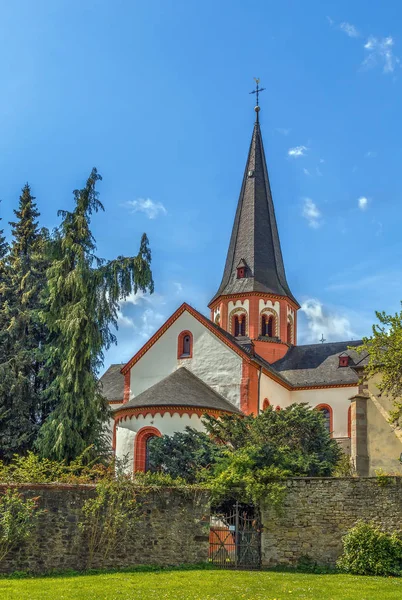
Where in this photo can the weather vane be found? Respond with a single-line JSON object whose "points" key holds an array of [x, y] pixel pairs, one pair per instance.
{"points": [[322, 340], [257, 89]]}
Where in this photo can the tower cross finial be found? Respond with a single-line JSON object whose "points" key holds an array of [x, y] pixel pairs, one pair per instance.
{"points": [[257, 90]]}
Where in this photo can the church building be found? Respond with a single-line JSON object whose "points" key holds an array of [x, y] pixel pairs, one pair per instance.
{"points": [[245, 356]]}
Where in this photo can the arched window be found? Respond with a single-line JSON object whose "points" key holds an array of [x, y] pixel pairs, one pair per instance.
{"points": [[289, 332], [185, 345], [265, 404], [326, 411], [267, 325], [141, 448], [239, 324]]}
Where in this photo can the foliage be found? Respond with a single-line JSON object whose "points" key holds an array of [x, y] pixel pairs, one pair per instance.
{"points": [[249, 475], [35, 469], [384, 348], [369, 551], [110, 517], [184, 453], [344, 467], [18, 518], [22, 334], [245, 457], [83, 300], [383, 478]]}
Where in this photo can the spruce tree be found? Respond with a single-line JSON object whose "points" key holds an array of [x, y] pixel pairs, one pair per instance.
{"points": [[22, 332], [84, 294]]}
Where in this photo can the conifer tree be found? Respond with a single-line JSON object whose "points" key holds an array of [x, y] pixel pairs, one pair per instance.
{"points": [[84, 294], [22, 331]]}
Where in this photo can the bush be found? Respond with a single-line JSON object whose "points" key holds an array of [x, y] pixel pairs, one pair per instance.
{"points": [[18, 518], [369, 551]]}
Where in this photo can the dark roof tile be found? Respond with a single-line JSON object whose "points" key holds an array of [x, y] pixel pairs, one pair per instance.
{"points": [[182, 388]]}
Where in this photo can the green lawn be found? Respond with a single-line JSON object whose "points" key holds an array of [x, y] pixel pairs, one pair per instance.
{"points": [[202, 584]]}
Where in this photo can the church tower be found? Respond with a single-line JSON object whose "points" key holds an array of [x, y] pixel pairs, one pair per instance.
{"points": [[254, 301]]}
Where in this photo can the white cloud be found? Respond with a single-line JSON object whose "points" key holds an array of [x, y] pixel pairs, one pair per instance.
{"points": [[380, 51], [124, 321], [149, 322], [320, 321], [283, 130], [306, 171], [318, 171], [330, 21], [311, 213], [147, 206], [322, 160], [178, 286], [370, 154], [362, 203], [349, 29], [297, 151]]}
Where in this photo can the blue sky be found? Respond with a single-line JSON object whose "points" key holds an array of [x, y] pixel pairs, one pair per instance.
{"points": [[155, 94]]}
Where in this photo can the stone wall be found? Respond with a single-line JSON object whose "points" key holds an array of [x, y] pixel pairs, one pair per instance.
{"points": [[173, 529], [316, 513]]}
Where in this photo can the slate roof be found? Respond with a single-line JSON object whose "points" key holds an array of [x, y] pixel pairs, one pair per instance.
{"points": [[255, 239], [318, 364], [181, 388], [112, 383]]}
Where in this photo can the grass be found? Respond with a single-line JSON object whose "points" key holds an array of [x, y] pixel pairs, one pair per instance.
{"points": [[202, 584]]}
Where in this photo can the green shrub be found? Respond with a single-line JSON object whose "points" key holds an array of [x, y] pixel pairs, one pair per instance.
{"points": [[18, 517], [369, 551], [110, 516]]}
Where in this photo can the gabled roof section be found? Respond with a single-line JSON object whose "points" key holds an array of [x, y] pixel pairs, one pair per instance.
{"points": [[255, 238], [182, 389], [225, 337], [112, 384], [242, 347], [318, 365]]}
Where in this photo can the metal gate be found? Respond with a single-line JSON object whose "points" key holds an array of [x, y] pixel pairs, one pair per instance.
{"points": [[235, 537]]}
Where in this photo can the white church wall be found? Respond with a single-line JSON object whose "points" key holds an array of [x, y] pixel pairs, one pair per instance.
{"points": [[167, 425], [277, 395], [212, 360], [125, 447], [336, 398]]}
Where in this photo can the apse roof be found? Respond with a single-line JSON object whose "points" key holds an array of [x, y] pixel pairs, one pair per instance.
{"points": [[182, 388], [112, 383]]}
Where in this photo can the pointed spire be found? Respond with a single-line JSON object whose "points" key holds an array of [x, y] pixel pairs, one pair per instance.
{"points": [[255, 239]]}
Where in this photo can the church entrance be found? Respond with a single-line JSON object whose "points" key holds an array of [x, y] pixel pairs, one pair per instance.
{"points": [[235, 537]]}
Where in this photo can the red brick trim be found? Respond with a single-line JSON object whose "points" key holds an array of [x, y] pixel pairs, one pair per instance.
{"points": [[324, 386], [200, 318], [126, 396], [262, 295], [180, 340], [331, 416], [114, 436], [140, 446], [124, 413], [115, 401], [249, 389]]}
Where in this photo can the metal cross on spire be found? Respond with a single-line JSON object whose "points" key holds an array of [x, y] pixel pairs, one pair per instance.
{"points": [[322, 340], [257, 90]]}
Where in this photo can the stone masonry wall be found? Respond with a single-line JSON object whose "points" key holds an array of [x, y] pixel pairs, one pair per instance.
{"points": [[316, 514], [172, 530]]}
